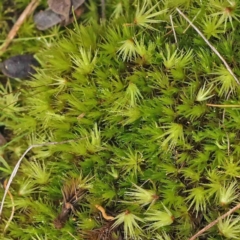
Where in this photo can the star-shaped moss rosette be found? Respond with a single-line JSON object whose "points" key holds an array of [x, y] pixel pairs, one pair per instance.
{"points": [[139, 90]]}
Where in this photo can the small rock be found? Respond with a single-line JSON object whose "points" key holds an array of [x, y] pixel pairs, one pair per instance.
{"points": [[19, 66], [56, 14]]}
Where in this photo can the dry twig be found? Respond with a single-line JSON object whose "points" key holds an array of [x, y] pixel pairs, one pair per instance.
{"points": [[72, 235], [215, 222], [28, 10], [13, 208], [223, 105], [209, 44], [192, 22], [214, 105], [174, 33], [103, 9]]}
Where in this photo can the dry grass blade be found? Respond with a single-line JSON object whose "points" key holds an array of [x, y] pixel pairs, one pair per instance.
{"points": [[223, 105], [173, 29], [211, 224], [209, 44], [28, 10], [13, 208], [106, 232]]}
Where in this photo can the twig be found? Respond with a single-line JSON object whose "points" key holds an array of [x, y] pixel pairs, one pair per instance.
{"points": [[14, 172], [209, 44], [228, 143], [13, 208], [31, 38], [72, 235], [28, 10], [192, 22], [103, 9], [223, 106], [215, 222], [174, 33]]}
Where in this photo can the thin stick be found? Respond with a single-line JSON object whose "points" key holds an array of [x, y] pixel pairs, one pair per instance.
{"points": [[215, 222], [103, 9], [228, 141], [13, 208], [222, 106], [28, 10], [209, 44], [72, 235], [174, 33], [13, 174], [30, 38], [192, 22]]}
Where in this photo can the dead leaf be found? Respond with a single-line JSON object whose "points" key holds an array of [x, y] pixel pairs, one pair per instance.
{"points": [[61, 7]]}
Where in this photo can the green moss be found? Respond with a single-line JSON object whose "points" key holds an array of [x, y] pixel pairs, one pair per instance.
{"points": [[138, 101]]}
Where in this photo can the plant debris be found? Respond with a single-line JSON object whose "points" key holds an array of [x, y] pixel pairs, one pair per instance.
{"points": [[58, 12], [106, 232], [61, 7], [152, 92], [72, 194]]}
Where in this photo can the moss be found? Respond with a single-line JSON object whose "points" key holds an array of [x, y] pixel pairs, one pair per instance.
{"points": [[137, 99]]}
